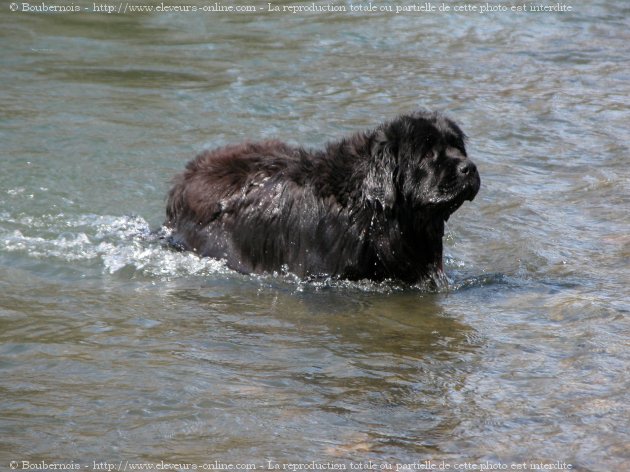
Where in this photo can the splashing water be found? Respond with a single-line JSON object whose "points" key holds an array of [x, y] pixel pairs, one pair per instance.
{"points": [[115, 242], [127, 245]]}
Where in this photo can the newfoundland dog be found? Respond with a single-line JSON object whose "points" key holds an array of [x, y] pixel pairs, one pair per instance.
{"points": [[370, 206]]}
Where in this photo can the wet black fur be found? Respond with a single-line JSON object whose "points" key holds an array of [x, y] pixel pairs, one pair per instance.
{"points": [[370, 206]]}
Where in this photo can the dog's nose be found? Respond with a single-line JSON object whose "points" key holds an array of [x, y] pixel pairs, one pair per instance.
{"points": [[466, 168]]}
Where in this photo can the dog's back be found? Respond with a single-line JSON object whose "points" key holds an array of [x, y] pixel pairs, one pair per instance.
{"points": [[255, 206]]}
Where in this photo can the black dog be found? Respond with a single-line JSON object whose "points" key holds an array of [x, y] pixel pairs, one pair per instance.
{"points": [[371, 206]]}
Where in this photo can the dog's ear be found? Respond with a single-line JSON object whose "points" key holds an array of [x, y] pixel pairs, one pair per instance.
{"points": [[379, 184]]}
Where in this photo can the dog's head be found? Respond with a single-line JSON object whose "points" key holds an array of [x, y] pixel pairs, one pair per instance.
{"points": [[422, 165]]}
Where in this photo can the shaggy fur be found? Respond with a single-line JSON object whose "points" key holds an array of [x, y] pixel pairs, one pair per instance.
{"points": [[370, 206]]}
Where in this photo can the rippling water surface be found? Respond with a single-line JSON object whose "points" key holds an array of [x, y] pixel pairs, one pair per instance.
{"points": [[113, 348]]}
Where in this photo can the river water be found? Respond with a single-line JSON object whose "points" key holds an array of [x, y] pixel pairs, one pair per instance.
{"points": [[115, 350]]}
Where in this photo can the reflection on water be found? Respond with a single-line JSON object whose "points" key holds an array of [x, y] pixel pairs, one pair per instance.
{"points": [[113, 347]]}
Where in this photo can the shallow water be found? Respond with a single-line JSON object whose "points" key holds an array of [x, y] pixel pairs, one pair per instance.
{"points": [[113, 348]]}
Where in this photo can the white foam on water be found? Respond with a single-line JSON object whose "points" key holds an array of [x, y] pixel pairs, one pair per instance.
{"points": [[118, 242]]}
